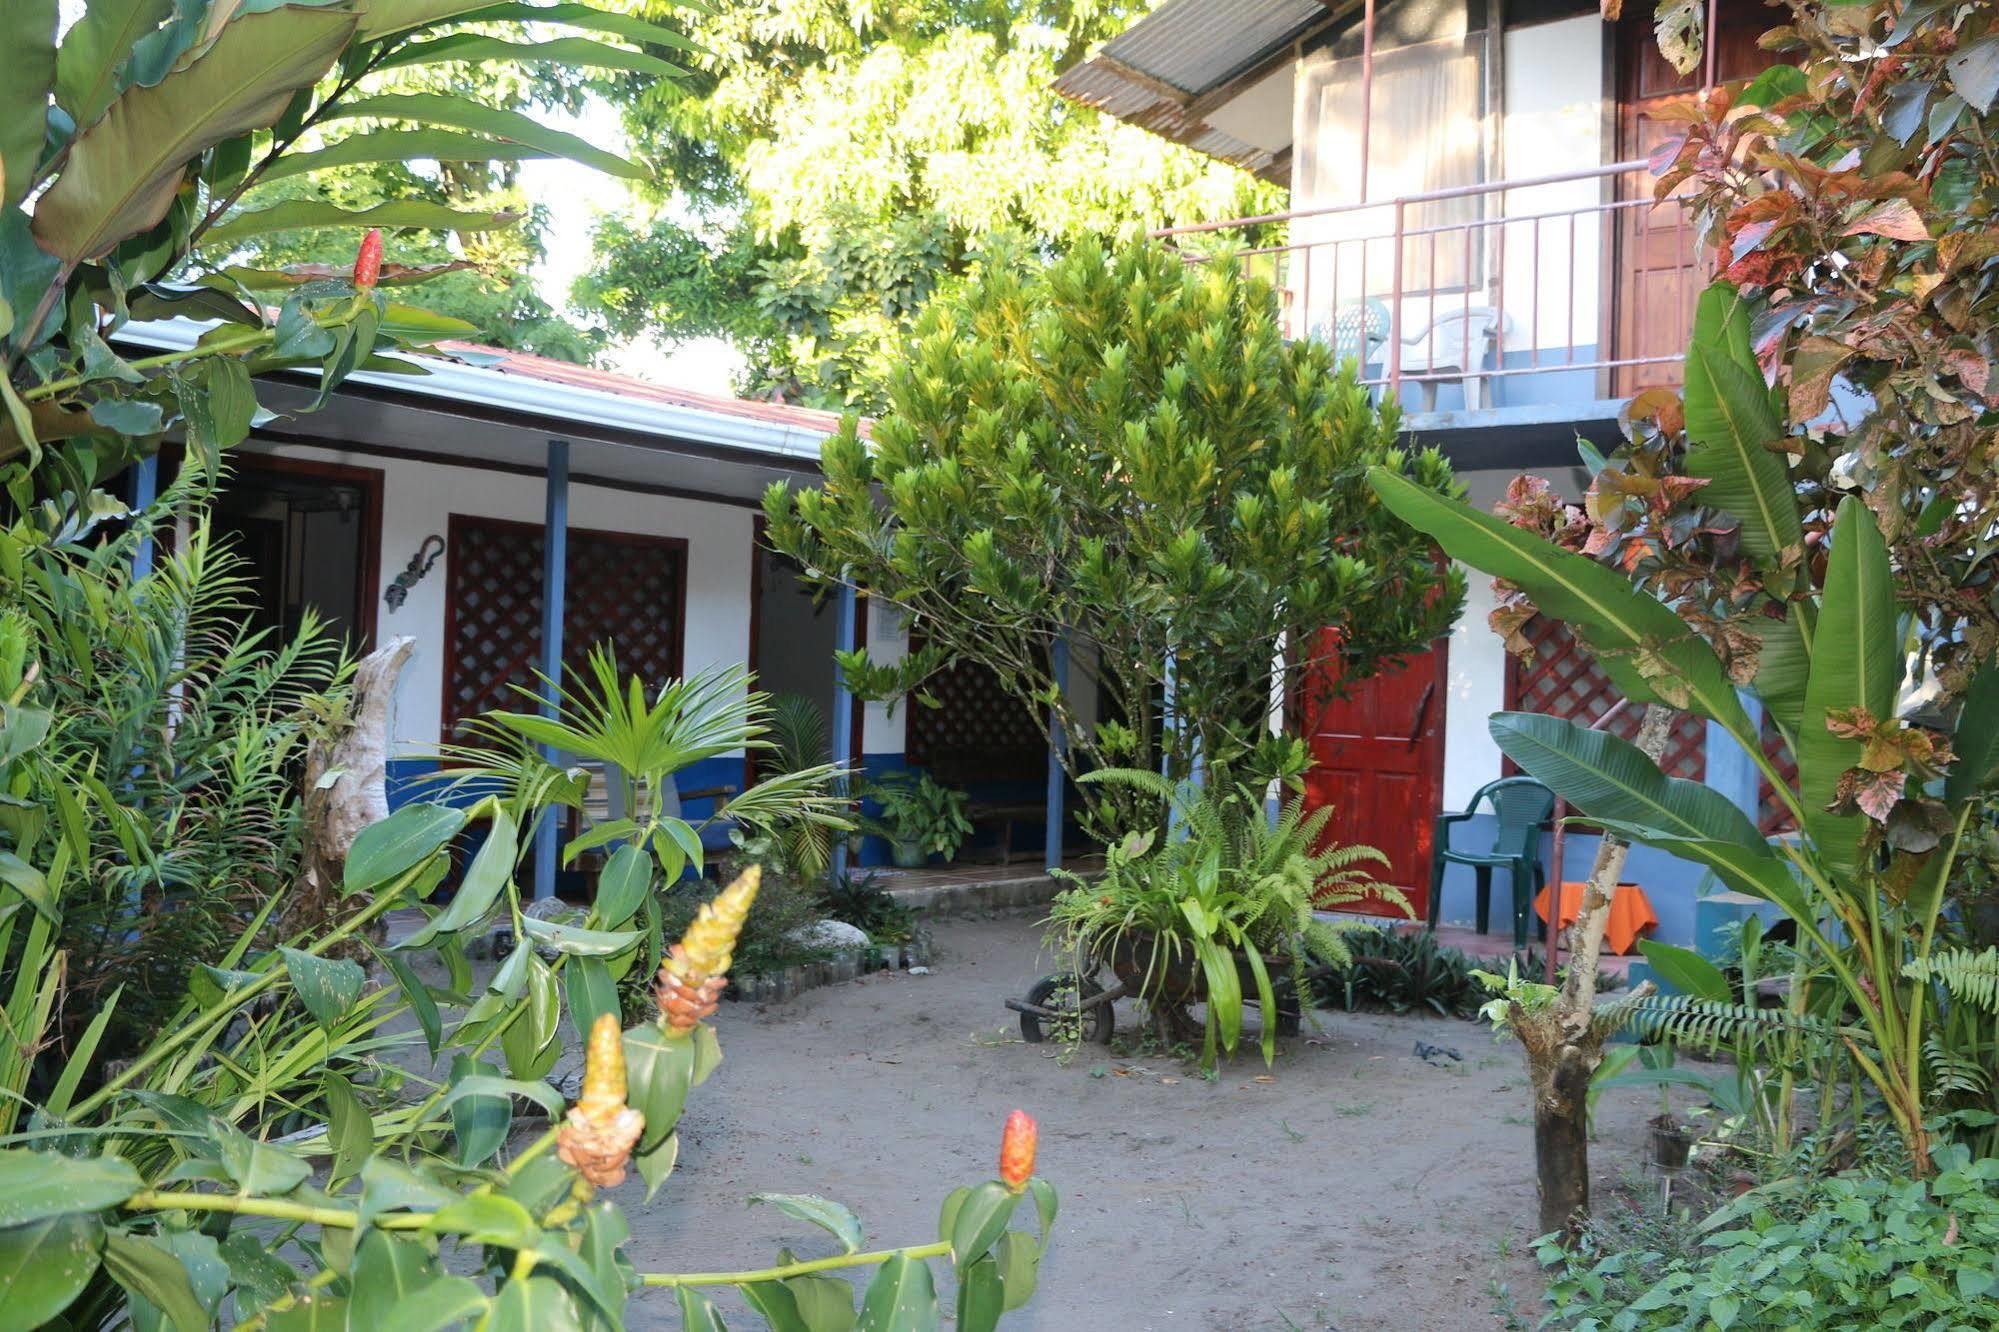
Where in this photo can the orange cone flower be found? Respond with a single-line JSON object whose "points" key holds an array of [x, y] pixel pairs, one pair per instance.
{"points": [[1017, 1150], [694, 974]]}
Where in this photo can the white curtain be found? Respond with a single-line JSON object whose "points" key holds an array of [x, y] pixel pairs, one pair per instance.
{"points": [[1425, 135]]}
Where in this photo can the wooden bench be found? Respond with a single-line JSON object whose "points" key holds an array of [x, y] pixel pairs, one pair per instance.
{"points": [[1004, 814]]}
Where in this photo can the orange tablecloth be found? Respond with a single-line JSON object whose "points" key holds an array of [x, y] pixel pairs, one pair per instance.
{"points": [[1631, 915]]}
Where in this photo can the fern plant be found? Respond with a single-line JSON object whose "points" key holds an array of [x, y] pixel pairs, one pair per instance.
{"points": [[1961, 1057], [1219, 880], [174, 734]]}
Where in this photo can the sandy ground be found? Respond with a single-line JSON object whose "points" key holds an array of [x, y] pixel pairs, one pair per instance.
{"points": [[1354, 1187]]}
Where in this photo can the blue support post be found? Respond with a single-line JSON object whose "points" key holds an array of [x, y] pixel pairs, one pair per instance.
{"points": [[846, 621], [554, 596], [1058, 668], [145, 489]]}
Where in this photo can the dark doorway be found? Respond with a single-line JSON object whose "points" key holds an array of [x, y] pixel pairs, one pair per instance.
{"points": [[311, 533]]}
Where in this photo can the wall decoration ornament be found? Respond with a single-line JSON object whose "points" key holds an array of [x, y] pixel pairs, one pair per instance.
{"points": [[420, 564]]}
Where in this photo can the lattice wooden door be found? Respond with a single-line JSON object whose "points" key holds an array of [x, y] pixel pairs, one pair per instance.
{"points": [[1564, 680], [625, 590], [979, 734]]}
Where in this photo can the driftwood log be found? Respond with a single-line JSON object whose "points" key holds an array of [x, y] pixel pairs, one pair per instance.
{"points": [[346, 789]]}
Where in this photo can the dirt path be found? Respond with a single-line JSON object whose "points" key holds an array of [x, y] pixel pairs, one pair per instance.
{"points": [[1359, 1188]]}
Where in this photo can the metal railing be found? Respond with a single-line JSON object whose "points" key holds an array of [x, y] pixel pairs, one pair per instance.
{"points": [[1522, 292]]}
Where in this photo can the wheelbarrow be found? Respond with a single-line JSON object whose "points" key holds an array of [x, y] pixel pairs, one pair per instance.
{"points": [[1074, 1004]]}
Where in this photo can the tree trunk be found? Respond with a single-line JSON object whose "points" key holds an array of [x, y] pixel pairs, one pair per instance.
{"points": [[346, 789], [1561, 1134], [1564, 1041]]}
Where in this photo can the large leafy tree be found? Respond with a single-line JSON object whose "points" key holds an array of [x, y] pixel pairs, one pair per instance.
{"points": [[1120, 453], [833, 163]]}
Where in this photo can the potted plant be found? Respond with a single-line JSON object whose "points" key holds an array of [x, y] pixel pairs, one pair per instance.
{"points": [[1218, 909], [919, 817]]}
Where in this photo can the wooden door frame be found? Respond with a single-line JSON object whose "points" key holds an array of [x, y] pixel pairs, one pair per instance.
{"points": [[369, 480]]}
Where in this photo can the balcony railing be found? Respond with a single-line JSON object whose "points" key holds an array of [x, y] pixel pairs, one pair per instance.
{"points": [[1533, 293]]}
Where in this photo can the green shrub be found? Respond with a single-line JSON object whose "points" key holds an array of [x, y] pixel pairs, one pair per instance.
{"points": [[1394, 972], [1408, 971], [866, 906], [1850, 1251], [768, 943]]}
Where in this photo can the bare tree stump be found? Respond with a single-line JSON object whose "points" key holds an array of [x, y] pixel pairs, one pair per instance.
{"points": [[346, 790]]}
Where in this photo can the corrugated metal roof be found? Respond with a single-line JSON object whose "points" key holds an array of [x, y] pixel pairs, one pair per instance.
{"points": [[1196, 45], [1154, 73]]}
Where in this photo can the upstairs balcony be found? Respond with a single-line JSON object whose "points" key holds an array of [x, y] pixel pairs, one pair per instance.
{"points": [[1505, 317]]}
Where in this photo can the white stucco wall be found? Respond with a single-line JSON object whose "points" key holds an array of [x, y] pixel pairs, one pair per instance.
{"points": [[1477, 666], [418, 499], [1477, 689]]}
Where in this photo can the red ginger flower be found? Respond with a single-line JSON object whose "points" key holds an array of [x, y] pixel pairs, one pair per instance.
{"points": [[1017, 1150], [368, 263]]}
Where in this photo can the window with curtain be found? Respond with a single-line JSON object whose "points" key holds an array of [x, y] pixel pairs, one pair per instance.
{"points": [[1426, 133]]}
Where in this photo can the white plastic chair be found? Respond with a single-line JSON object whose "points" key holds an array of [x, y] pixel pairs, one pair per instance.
{"points": [[1460, 340]]}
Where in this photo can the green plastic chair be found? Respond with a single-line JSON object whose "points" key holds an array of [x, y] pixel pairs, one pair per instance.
{"points": [[1525, 809]]}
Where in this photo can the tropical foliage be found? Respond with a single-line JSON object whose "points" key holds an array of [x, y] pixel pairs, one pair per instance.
{"points": [[1219, 905], [919, 815], [1863, 1250], [1848, 195], [1882, 799], [828, 166], [161, 739], [158, 1211], [131, 152], [370, 1112], [1068, 468]]}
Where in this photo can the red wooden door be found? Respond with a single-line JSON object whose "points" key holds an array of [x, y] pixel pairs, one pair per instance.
{"points": [[1378, 761]]}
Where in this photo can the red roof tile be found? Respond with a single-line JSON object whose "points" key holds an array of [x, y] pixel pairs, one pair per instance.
{"points": [[629, 386]]}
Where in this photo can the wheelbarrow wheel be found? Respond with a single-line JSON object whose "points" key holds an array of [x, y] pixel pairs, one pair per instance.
{"points": [[1063, 994], [1290, 1011]]}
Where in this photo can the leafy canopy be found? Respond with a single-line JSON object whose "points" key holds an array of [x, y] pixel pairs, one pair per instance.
{"points": [[835, 163], [1121, 452]]}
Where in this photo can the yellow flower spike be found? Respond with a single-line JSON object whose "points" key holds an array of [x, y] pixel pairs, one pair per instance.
{"points": [[709, 945], [601, 1130], [603, 1070]]}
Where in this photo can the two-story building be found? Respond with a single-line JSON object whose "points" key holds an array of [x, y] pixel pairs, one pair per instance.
{"points": [[1471, 219]]}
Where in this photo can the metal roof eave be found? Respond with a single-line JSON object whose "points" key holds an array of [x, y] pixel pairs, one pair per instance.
{"points": [[563, 406]]}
